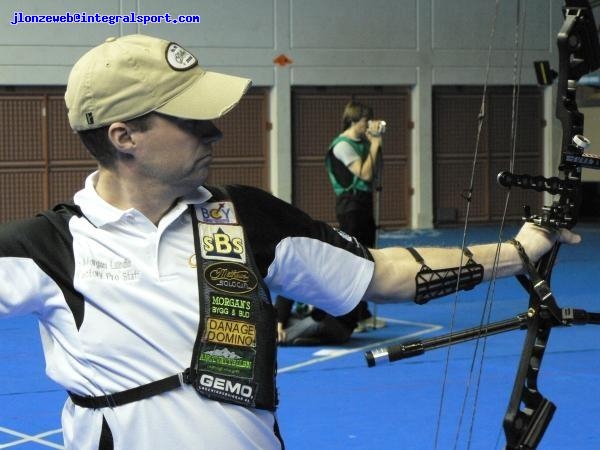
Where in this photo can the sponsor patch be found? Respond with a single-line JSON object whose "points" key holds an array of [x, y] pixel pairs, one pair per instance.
{"points": [[223, 242], [241, 392], [231, 278], [237, 362], [179, 58], [230, 306], [229, 332], [217, 212]]}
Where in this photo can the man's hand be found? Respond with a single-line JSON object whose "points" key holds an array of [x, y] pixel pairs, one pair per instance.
{"points": [[537, 241]]}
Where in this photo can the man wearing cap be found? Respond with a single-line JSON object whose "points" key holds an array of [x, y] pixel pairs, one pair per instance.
{"points": [[153, 291]]}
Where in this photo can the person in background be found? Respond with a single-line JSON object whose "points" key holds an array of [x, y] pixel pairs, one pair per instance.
{"points": [[153, 290], [302, 324], [352, 163]]}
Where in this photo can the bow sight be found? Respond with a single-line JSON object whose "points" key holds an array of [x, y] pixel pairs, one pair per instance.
{"points": [[579, 54], [562, 213]]}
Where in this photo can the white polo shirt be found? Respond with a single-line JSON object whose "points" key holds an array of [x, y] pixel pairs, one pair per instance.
{"points": [[137, 316]]}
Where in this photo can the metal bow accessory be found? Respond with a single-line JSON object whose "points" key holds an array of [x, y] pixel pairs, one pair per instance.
{"points": [[529, 412]]}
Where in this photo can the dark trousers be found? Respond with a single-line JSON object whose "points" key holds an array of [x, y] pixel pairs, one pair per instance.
{"points": [[359, 224], [308, 331], [355, 217]]}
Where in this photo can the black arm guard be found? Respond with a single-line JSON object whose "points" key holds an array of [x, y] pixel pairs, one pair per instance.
{"points": [[435, 283]]}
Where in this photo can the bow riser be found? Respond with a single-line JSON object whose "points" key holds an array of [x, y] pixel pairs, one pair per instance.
{"points": [[529, 413]]}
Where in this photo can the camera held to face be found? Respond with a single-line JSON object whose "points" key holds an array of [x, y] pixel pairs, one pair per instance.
{"points": [[376, 127]]}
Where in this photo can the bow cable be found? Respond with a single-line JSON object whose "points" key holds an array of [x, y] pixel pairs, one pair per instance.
{"points": [[467, 197], [487, 308], [519, 40]]}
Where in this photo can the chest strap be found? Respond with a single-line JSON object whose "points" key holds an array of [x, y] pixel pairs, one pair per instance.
{"points": [[129, 395]]}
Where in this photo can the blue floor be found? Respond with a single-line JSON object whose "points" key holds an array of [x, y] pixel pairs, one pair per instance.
{"points": [[445, 399]]}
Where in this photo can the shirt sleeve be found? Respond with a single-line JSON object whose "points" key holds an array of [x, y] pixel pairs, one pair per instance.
{"points": [[345, 153], [24, 285], [36, 266], [320, 274], [300, 258]]}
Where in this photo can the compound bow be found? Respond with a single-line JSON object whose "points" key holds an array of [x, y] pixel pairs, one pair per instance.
{"points": [[529, 412]]}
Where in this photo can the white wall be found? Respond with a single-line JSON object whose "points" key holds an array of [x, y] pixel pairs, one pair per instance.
{"points": [[419, 43]]}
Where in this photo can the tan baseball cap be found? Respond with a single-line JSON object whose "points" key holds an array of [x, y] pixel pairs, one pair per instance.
{"points": [[127, 77]]}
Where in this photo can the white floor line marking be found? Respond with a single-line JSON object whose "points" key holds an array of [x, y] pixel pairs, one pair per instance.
{"points": [[429, 327], [27, 438]]}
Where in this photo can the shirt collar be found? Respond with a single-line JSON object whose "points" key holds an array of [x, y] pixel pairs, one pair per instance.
{"points": [[100, 212]]}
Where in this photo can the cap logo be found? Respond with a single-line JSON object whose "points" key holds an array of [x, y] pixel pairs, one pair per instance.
{"points": [[179, 58]]}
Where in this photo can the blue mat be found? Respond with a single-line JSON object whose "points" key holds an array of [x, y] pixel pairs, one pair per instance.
{"points": [[331, 400]]}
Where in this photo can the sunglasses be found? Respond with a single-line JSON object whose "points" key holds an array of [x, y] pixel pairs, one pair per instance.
{"points": [[204, 130]]}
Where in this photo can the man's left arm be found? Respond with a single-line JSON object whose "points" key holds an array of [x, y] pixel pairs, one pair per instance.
{"points": [[396, 269]]}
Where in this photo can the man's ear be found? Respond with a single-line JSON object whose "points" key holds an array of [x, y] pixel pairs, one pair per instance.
{"points": [[121, 137]]}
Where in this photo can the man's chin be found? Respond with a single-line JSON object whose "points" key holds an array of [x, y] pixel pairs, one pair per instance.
{"points": [[190, 184], [199, 179]]}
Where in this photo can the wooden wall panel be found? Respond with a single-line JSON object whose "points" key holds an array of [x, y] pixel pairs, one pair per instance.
{"points": [[455, 123], [43, 162]]}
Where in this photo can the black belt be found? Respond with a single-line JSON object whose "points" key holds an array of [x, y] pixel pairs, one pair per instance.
{"points": [[130, 395]]}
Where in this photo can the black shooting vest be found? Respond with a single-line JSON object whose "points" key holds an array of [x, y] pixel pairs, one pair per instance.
{"points": [[234, 356]]}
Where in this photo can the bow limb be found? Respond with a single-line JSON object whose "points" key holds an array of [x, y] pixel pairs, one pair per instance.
{"points": [[529, 412]]}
